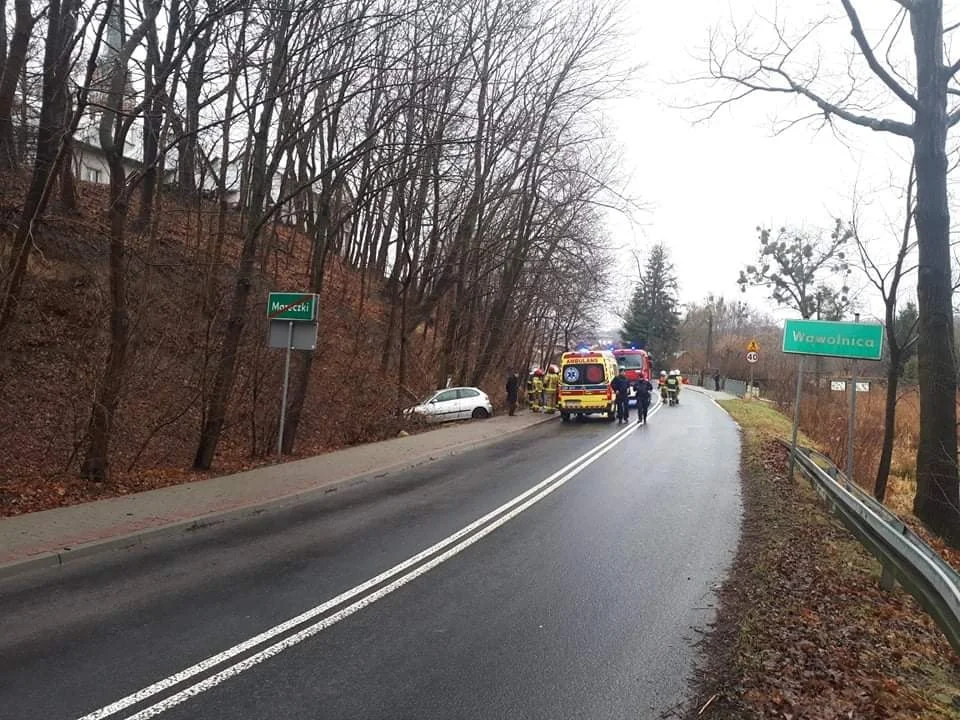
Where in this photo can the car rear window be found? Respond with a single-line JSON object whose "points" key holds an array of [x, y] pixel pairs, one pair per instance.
{"points": [[467, 393], [586, 374]]}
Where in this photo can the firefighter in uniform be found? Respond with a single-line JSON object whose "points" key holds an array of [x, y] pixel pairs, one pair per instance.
{"points": [[551, 382], [537, 403]]}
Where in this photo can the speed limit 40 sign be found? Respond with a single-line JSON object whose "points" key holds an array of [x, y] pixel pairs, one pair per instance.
{"points": [[753, 357]]}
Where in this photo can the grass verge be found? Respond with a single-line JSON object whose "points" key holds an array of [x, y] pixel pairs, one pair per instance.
{"points": [[804, 630]]}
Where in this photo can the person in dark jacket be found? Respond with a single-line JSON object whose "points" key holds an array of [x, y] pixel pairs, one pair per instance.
{"points": [[644, 390], [513, 388], [621, 386], [716, 380]]}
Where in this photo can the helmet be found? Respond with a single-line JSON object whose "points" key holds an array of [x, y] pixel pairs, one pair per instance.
{"points": [[663, 373], [538, 372], [553, 369]]}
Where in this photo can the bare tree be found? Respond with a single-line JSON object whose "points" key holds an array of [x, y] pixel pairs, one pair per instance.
{"points": [[113, 130], [751, 70], [264, 159], [900, 340], [61, 40], [14, 60], [795, 265]]}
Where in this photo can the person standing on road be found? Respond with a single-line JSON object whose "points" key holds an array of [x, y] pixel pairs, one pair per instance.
{"points": [[513, 388], [644, 390], [537, 390], [716, 380], [551, 382], [621, 386]]}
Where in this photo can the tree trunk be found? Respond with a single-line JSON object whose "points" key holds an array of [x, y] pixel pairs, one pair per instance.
{"points": [[3, 35], [56, 62], [402, 363], [321, 252], [213, 261], [936, 502], [14, 62], [69, 198], [152, 123], [96, 462], [193, 85], [113, 127], [889, 430], [260, 186]]}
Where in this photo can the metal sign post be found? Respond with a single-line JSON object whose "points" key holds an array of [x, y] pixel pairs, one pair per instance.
{"points": [[852, 341], [286, 383], [851, 421], [796, 416], [753, 356], [293, 326]]}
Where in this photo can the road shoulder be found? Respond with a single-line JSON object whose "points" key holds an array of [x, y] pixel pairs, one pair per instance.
{"points": [[804, 629]]}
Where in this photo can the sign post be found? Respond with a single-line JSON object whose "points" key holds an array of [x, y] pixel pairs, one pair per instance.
{"points": [[796, 417], [853, 341], [753, 356], [852, 420], [288, 313], [286, 384]]}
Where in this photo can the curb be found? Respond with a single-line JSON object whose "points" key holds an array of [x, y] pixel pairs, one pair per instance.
{"points": [[57, 559]]}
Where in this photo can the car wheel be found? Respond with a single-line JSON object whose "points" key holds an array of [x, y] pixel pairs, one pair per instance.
{"points": [[480, 413], [565, 417]]}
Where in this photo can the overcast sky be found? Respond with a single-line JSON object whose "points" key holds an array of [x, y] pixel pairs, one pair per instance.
{"points": [[707, 186]]}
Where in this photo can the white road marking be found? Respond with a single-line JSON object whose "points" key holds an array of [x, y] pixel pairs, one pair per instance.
{"points": [[297, 638], [560, 477]]}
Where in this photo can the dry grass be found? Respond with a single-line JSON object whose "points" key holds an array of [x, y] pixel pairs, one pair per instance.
{"points": [[827, 426], [804, 631], [824, 416]]}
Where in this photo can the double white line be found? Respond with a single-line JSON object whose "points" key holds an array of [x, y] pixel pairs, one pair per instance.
{"points": [[361, 595]]}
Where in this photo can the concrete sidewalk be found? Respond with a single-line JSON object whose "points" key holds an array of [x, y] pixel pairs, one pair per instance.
{"points": [[52, 537]]}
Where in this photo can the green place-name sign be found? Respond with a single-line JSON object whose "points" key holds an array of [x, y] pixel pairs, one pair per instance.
{"points": [[292, 306], [858, 341]]}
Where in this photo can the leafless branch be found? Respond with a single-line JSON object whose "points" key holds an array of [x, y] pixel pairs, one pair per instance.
{"points": [[769, 66], [856, 28]]}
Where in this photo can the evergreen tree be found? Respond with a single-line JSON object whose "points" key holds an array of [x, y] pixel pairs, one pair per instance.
{"points": [[652, 319]]}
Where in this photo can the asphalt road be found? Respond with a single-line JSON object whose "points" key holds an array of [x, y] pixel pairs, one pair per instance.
{"points": [[562, 573]]}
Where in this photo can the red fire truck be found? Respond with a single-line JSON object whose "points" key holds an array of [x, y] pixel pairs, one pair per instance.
{"points": [[636, 363]]}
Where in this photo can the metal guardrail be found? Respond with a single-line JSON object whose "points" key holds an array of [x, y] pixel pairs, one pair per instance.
{"points": [[905, 557]]}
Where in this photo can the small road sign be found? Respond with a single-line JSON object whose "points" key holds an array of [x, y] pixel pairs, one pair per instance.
{"points": [[753, 347], [841, 386], [753, 357], [287, 334], [859, 341], [299, 307]]}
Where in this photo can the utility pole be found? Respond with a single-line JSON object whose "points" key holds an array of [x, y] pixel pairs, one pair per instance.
{"points": [[709, 346], [709, 340]]}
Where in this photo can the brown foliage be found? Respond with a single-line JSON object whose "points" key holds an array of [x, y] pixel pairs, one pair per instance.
{"points": [[804, 630], [56, 346]]}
